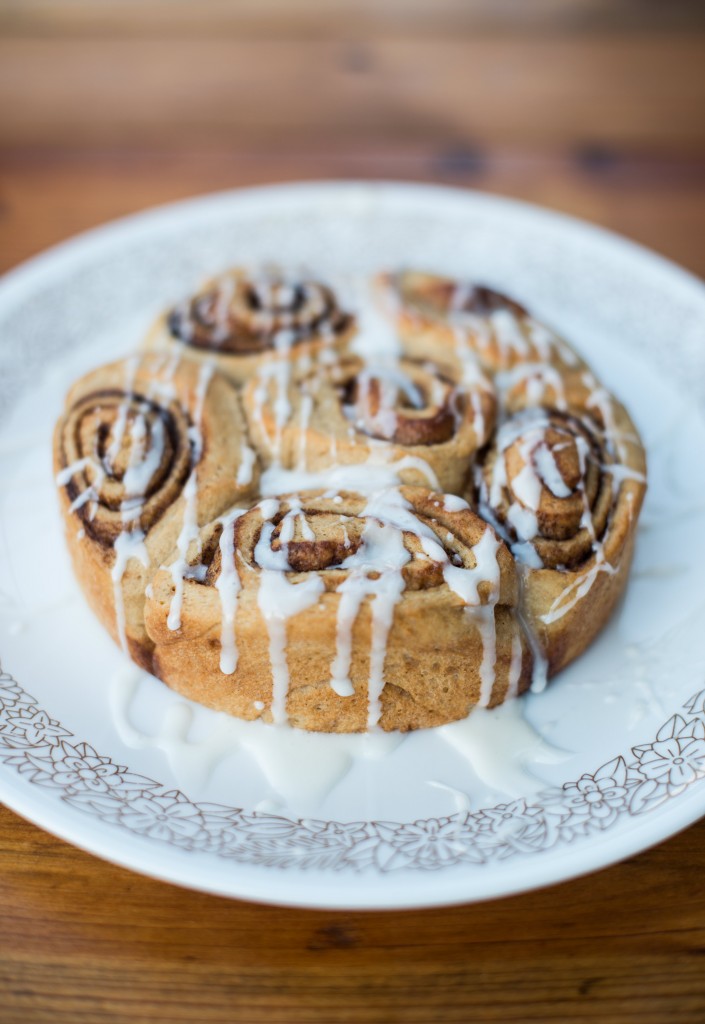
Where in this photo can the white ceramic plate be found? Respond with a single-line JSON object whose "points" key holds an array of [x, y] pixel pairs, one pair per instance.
{"points": [[418, 826]]}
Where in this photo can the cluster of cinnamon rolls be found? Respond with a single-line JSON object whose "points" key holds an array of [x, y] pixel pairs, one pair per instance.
{"points": [[343, 515]]}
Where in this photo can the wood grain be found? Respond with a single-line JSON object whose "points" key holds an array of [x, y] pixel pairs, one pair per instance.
{"points": [[48, 194], [486, 89], [81, 940], [586, 106]]}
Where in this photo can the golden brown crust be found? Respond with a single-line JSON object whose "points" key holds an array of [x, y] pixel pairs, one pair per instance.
{"points": [[442, 318]]}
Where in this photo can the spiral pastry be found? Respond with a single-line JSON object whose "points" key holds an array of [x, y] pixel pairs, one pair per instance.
{"points": [[460, 498], [409, 415], [243, 321], [147, 450], [467, 323], [564, 490], [341, 613]]}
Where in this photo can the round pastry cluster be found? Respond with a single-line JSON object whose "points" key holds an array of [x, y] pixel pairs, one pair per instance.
{"points": [[349, 519]]}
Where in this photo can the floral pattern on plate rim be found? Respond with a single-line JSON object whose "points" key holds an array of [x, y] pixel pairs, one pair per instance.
{"points": [[47, 754]]}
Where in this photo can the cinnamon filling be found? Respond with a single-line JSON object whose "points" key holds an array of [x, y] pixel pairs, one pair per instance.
{"points": [[318, 540], [384, 410], [483, 301], [551, 475]]}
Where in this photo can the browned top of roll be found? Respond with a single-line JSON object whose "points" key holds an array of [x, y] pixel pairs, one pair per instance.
{"points": [[417, 405], [243, 315], [439, 296], [549, 471], [131, 457]]}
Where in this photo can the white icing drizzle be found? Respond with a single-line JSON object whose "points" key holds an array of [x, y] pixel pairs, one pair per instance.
{"points": [[502, 748], [621, 473], [601, 400], [129, 544], [90, 493], [304, 416], [224, 295], [279, 600], [228, 586], [391, 380], [300, 768], [144, 460], [189, 528], [281, 374], [268, 507], [64, 475], [146, 452], [541, 470], [539, 378], [465, 583], [118, 433], [377, 340], [472, 380], [577, 590], [513, 334], [248, 458], [454, 503], [527, 485], [526, 526], [549, 473], [374, 572], [508, 333], [378, 471], [382, 550]]}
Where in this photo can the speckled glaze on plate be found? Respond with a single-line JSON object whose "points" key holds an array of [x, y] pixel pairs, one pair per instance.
{"points": [[630, 714]]}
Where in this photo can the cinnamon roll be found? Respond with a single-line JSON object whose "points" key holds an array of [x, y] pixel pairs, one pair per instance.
{"points": [[243, 321], [481, 497], [564, 489], [407, 414], [443, 318], [148, 450], [339, 613]]}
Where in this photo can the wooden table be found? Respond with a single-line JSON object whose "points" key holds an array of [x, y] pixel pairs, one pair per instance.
{"points": [[587, 107]]}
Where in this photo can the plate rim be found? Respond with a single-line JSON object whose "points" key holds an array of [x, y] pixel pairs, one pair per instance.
{"points": [[114, 229], [259, 882]]}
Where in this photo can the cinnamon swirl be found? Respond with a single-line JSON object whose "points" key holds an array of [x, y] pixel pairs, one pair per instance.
{"points": [[408, 414], [565, 489], [148, 450], [467, 322], [340, 613], [243, 321]]}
